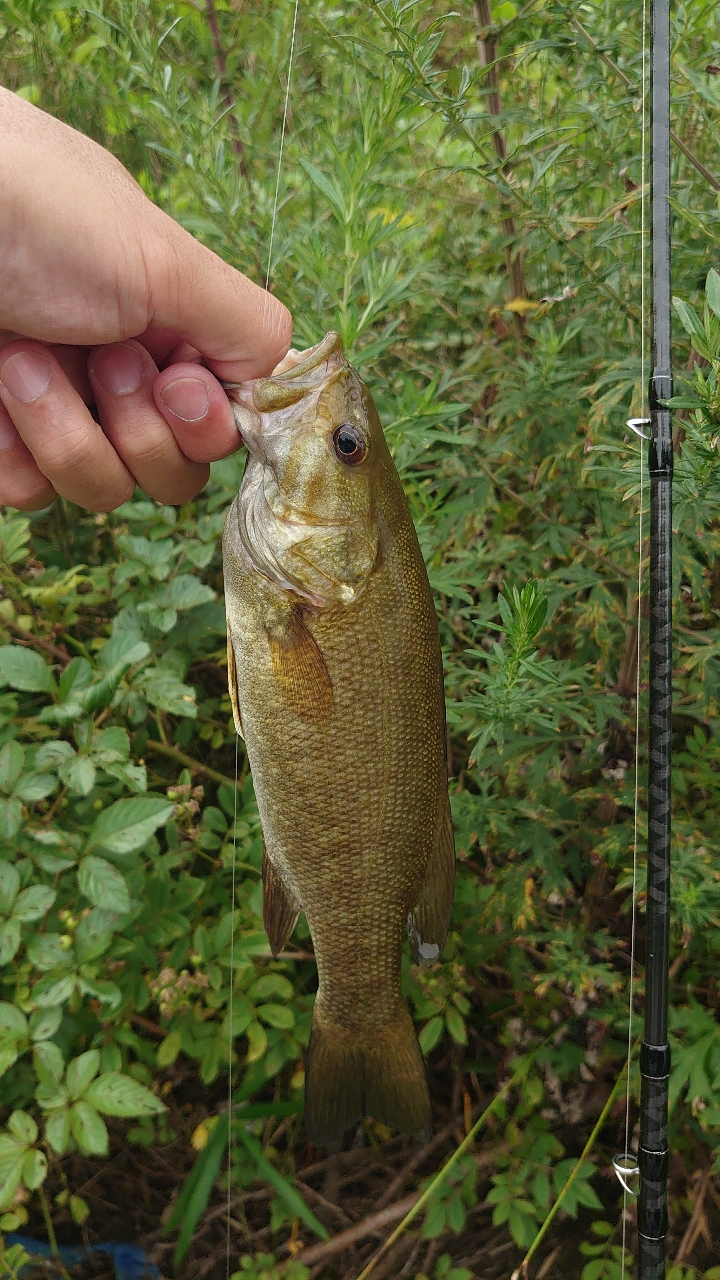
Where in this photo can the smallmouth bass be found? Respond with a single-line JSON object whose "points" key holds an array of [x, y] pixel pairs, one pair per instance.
{"points": [[336, 681]]}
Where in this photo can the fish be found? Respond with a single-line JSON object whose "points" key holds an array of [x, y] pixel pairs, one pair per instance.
{"points": [[336, 683]]}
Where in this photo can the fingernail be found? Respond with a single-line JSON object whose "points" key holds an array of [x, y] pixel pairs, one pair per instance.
{"points": [[8, 433], [26, 375], [187, 399], [119, 369]]}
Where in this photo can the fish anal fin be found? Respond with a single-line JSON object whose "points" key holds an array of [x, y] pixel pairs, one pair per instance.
{"points": [[300, 669], [351, 1075], [280, 910], [233, 685], [428, 922]]}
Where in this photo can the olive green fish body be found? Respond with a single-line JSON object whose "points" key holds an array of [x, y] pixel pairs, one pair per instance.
{"points": [[340, 701]]}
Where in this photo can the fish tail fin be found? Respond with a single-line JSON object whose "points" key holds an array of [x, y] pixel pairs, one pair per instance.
{"points": [[379, 1073]]}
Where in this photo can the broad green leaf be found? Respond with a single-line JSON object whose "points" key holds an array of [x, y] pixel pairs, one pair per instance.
{"points": [[277, 1015], [12, 1019], [94, 934], [79, 775], [103, 885], [431, 1033], [32, 787], [51, 754], [24, 669], [9, 941], [10, 818], [46, 951], [9, 886], [118, 1095], [34, 1169], [712, 291], [57, 1130], [169, 1049], [49, 1062], [44, 1023], [165, 691], [47, 994], [34, 902], [257, 1041], [81, 1071], [128, 824], [12, 758], [77, 675], [88, 1129], [23, 1127]]}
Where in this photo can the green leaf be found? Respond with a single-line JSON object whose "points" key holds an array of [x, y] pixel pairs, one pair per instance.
{"points": [[165, 691], [103, 885], [13, 1019], [689, 319], [54, 993], [35, 786], [88, 1129], [49, 1063], [195, 1193], [168, 1051], [10, 818], [12, 758], [57, 1130], [118, 1095], [44, 1023], [34, 1169], [285, 1189], [81, 1071], [9, 941], [94, 934], [277, 1015], [23, 1127], [128, 824], [34, 902], [456, 1025], [24, 669], [9, 885], [79, 775], [712, 291], [45, 951]]}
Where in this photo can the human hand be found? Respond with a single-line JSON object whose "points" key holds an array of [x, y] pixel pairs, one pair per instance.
{"points": [[107, 303]]}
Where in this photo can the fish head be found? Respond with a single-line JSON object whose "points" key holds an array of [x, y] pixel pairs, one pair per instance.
{"points": [[307, 509]]}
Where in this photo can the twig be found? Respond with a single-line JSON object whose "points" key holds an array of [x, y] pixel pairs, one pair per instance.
{"points": [[416, 1159], [37, 642], [328, 1249], [695, 1225], [325, 1204], [173, 753], [690, 155]]}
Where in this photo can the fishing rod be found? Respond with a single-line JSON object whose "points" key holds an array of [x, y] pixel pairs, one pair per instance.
{"points": [[655, 1050]]}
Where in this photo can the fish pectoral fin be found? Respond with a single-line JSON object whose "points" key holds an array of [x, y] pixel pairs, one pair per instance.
{"points": [[427, 923], [300, 669], [232, 684], [280, 908]]}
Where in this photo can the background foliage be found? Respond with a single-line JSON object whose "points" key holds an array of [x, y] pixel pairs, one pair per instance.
{"points": [[461, 199]]}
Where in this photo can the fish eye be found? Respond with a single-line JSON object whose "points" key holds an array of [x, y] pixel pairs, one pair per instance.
{"points": [[349, 444]]}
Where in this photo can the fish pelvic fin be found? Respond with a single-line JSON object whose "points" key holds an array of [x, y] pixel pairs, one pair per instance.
{"points": [[233, 684], [379, 1073], [280, 909], [300, 670], [428, 922]]}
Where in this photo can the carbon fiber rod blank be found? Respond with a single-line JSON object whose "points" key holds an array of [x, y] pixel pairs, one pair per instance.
{"points": [[655, 1051]]}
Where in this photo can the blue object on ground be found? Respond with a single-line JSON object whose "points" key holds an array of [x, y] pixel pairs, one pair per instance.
{"points": [[129, 1260]]}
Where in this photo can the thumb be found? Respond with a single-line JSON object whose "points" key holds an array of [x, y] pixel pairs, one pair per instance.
{"points": [[241, 330]]}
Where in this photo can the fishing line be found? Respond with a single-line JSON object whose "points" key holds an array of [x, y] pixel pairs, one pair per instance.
{"points": [[282, 142], [626, 1167], [235, 804], [230, 1020]]}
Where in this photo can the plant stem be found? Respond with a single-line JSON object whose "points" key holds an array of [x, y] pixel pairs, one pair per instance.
{"points": [[467, 1142], [52, 1238], [521, 1271], [164, 749]]}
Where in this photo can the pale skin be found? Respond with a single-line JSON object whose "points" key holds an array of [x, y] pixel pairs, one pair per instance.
{"points": [[109, 310]]}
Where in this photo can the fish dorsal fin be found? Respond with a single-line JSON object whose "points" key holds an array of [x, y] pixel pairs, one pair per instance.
{"points": [[300, 669], [285, 389]]}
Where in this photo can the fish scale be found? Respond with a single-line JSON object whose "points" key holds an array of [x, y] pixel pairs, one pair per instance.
{"points": [[341, 706]]}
